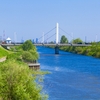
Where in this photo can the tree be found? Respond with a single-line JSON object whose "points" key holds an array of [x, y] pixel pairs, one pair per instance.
{"points": [[76, 41], [63, 39], [17, 82], [28, 45], [29, 54]]}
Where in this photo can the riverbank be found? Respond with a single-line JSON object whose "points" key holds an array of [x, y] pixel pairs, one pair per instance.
{"points": [[16, 76], [93, 50]]}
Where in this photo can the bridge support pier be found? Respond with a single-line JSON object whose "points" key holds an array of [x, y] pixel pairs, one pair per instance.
{"points": [[56, 50]]}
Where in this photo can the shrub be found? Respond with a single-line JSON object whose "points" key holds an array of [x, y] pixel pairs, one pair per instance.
{"points": [[78, 50], [17, 82], [16, 56], [29, 56]]}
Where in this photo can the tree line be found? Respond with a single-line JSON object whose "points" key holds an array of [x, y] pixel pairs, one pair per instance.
{"points": [[74, 41], [93, 50]]}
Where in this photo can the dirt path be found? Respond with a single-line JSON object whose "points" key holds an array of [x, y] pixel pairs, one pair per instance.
{"points": [[2, 59]]}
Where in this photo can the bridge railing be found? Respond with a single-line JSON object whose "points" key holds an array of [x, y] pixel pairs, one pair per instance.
{"points": [[48, 44]]}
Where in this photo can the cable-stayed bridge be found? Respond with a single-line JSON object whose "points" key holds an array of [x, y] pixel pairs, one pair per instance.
{"points": [[56, 42]]}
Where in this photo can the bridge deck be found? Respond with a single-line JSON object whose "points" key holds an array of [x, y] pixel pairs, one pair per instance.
{"points": [[41, 44]]}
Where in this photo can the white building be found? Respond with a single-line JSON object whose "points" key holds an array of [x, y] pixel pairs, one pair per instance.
{"points": [[8, 40]]}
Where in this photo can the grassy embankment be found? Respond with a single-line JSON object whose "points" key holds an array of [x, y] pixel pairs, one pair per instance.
{"points": [[17, 81], [3, 52], [93, 50]]}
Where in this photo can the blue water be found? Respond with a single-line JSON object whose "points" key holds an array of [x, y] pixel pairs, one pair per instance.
{"points": [[73, 77]]}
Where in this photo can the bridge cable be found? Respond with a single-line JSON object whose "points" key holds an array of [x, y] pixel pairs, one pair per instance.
{"points": [[47, 32], [50, 37], [66, 32]]}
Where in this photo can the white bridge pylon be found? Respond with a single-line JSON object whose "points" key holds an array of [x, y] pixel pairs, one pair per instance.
{"points": [[57, 33]]}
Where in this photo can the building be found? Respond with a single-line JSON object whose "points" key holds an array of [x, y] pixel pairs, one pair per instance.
{"points": [[8, 40], [36, 40]]}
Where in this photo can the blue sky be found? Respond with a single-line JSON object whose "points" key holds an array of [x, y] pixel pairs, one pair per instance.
{"points": [[28, 19]]}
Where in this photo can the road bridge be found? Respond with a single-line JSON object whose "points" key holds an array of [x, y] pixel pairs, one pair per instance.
{"points": [[55, 45], [48, 44]]}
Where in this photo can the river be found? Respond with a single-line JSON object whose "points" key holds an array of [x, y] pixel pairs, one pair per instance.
{"points": [[72, 77]]}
